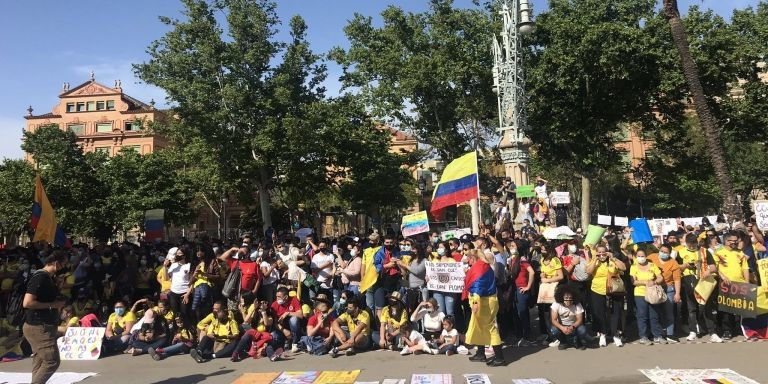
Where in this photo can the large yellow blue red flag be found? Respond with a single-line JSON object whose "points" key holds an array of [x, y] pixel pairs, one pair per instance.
{"points": [[458, 184], [43, 220]]}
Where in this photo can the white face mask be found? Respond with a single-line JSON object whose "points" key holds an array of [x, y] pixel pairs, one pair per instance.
{"points": [[641, 260], [405, 248], [572, 248], [353, 252], [441, 251]]}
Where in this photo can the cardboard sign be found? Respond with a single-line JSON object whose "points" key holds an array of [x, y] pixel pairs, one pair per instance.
{"points": [[761, 213], [477, 378], [420, 378], [603, 219], [762, 271], [445, 277], [297, 377], [525, 191], [415, 224], [80, 343], [257, 378], [556, 198], [738, 298], [621, 221], [641, 231], [337, 377]]}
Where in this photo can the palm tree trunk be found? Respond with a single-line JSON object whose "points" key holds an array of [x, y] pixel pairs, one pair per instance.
{"points": [[731, 206]]}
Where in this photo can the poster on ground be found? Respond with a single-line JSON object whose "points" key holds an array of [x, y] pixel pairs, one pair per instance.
{"points": [[415, 224], [477, 378], [81, 343], [256, 378], [420, 378], [297, 377], [695, 376], [337, 377], [737, 298], [445, 277]]}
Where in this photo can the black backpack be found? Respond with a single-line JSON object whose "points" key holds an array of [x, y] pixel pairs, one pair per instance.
{"points": [[14, 309]]}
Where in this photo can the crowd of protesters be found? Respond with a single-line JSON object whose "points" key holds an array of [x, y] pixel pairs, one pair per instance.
{"points": [[296, 295]]}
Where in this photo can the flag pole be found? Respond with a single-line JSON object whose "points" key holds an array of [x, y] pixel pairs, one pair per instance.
{"points": [[477, 168]]}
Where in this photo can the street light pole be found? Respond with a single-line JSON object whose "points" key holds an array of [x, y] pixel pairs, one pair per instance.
{"points": [[422, 187], [640, 176]]}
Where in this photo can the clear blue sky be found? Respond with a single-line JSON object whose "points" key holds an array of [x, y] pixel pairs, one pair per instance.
{"points": [[44, 43]]}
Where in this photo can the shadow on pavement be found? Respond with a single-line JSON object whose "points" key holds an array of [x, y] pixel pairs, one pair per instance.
{"points": [[192, 379]]}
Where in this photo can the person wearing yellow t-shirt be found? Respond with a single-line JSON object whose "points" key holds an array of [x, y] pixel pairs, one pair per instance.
{"points": [[646, 274], [602, 267], [119, 325], [551, 272], [732, 266], [163, 279], [164, 309], [220, 338], [698, 264], [358, 323], [392, 317], [68, 319]]}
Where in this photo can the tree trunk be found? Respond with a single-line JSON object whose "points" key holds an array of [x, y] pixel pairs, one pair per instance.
{"points": [[474, 205], [714, 145], [585, 196], [264, 201]]}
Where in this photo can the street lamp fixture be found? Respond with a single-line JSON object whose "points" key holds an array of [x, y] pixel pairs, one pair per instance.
{"points": [[422, 184], [640, 177]]}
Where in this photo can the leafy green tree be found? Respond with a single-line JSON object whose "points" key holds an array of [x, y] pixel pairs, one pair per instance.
{"points": [[591, 68], [426, 72], [17, 186]]}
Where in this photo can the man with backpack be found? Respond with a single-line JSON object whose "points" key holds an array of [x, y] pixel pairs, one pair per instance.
{"points": [[42, 304]]}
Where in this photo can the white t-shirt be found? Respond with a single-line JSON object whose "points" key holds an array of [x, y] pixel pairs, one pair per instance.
{"points": [[450, 337], [433, 322], [323, 275], [273, 277], [286, 258], [179, 274], [416, 338], [567, 315], [541, 191]]}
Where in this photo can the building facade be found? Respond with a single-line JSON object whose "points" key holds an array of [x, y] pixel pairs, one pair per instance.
{"points": [[104, 119]]}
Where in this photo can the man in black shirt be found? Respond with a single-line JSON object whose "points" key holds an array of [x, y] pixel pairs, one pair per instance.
{"points": [[42, 316]]}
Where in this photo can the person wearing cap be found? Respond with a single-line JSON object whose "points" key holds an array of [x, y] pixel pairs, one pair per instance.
{"points": [[43, 303], [319, 338], [392, 317], [179, 270]]}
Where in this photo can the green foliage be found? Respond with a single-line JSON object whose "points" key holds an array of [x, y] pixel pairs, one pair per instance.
{"points": [[16, 188], [427, 72]]}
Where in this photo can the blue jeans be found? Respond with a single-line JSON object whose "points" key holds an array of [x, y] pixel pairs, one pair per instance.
{"points": [[354, 288], [175, 349], [646, 312], [446, 301], [295, 326], [370, 300], [201, 296], [670, 312], [144, 346], [580, 336], [521, 315]]}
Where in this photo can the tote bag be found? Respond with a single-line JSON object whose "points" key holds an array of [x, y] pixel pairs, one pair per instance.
{"points": [[547, 293], [655, 295]]}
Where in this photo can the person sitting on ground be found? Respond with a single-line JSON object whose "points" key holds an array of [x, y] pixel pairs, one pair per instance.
{"points": [[261, 338], [289, 316], [431, 316], [118, 331], [392, 317], [413, 341], [153, 334], [358, 324], [319, 338], [449, 339], [567, 317], [183, 340], [202, 326], [220, 338], [68, 319], [164, 309]]}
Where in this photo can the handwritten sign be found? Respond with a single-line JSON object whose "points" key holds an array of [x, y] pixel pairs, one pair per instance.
{"points": [[415, 224], [621, 221], [762, 270], [81, 343], [738, 298], [337, 377], [445, 277], [525, 191], [420, 378], [556, 198], [761, 213]]}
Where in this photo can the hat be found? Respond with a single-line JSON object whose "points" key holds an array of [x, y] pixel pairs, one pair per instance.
{"points": [[373, 237], [396, 296], [172, 252], [322, 298]]}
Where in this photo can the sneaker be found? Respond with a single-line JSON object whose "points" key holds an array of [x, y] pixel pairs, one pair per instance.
{"points": [[391, 347], [727, 335], [602, 342], [350, 352], [136, 352], [659, 340], [644, 340], [554, 343], [197, 356], [714, 338], [449, 352], [617, 341], [277, 355], [430, 351], [672, 340], [582, 347], [235, 357], [478, 357], [562, 347], [295, 348], [155, 356], [334, 352], [405, 351], [691, 336], [495, 362]]}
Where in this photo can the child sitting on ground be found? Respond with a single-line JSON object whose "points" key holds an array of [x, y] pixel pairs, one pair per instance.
{"points": [[414, 341], [449, 338]]}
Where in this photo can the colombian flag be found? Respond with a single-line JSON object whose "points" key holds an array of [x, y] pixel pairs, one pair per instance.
{"points": [[154, 224], [479, 280], [458, 183], [43, 220]]}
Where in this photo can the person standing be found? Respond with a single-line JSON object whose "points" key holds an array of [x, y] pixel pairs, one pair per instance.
{"points": [[42, 303], [480, 290]]}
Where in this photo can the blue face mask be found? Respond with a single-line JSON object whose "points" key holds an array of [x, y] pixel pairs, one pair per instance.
{"points": [[664, 256], [119, 311]]}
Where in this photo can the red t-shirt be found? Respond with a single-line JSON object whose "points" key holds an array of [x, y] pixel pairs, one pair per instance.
{"points": [[250, 271], [456, 256], [291, 305], [323, 331], [521, 280], [567, 261]]}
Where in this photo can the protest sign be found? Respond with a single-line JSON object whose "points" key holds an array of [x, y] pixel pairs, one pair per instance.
{"points": [[678, 376], [621, 221], [297, 377], [420, 378], [256, 378], [454, 233], [525, 191], [556, 198], [594, 234], [445, 277], [760, 207], [477, 378], [738, 298], [762, 271], [80, 343], [603, 219], [641, 231], [337, 377], [415, 224]]}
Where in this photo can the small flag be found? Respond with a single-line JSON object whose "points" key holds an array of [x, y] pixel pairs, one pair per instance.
{"points": [[458, 183], [43, 219], [154, 224]]}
